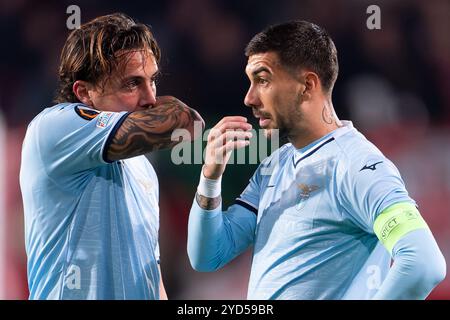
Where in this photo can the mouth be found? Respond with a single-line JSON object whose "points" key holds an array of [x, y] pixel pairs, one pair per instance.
{"points": [[264, 119], [264, 122]]}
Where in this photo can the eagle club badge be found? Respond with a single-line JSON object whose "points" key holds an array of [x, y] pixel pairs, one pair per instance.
{"points": [[305, 193]]}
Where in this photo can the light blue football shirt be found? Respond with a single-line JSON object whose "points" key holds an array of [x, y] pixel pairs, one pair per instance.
{"points": [[91, 227], [309, 214]]}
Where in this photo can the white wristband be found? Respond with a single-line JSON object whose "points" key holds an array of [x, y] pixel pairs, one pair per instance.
{"points": [[208, 187]]}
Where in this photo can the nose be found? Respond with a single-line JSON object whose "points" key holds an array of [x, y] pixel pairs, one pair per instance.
{"points": [[251, 98], [148, 94]]}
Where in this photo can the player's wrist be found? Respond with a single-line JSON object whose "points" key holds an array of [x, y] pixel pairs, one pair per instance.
{"points": [[211, 172], [210, 188]]}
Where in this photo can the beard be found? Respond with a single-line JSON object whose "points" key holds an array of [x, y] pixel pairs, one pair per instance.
{"points": [[287, 124], [281, 133]]}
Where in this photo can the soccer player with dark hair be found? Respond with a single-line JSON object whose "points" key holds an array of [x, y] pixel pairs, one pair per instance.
{"points": [[326, 221], [90, 195]]}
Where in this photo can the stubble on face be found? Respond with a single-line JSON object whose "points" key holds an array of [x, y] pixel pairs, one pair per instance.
{"points": [[287, 106]]}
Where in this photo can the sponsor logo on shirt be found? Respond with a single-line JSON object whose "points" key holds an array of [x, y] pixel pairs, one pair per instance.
{"points": [[372, 167], [103, 119]]}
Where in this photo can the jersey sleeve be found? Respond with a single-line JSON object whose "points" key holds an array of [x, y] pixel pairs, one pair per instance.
{"points": [[215, 237], [250, 197], [370, 185], [73, 138], [419, 266]]}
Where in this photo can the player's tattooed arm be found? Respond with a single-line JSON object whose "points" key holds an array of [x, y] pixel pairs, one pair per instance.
{"points": [[151, 129], [208, 203]]}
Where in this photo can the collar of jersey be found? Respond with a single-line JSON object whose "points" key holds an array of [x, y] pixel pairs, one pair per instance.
{"points": [[301, 153]]}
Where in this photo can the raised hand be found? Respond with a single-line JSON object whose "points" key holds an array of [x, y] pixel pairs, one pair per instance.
{"points": [[230, 133]]}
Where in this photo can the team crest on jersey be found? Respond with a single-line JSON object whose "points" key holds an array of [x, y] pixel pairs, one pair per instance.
{"points": [[103, 119], [86, 113], [305, 193]]}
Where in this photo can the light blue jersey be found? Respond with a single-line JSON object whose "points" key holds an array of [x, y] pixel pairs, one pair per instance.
{"points": [[91, 227], [309, 213]]}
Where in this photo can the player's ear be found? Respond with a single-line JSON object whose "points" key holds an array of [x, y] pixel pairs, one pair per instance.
{"points": [[81, 90], [311, 84]]}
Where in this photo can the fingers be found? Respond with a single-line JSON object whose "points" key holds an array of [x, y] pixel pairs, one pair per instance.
{"points": [[232, 145], [235, 119], [227, 124], [233, 126], [219, 148], [227, 136], [221, 155]]}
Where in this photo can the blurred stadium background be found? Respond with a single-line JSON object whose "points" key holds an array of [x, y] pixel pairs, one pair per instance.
{"points": [[394, 84]]}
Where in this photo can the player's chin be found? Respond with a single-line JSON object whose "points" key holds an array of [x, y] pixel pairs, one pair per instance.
{"points": [[267, 133], [267, 125], [270, 132]]}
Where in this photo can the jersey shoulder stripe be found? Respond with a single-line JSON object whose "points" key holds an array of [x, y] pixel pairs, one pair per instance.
{"points": [[247, 205]]}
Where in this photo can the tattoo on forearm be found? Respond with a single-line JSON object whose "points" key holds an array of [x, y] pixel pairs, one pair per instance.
{"points": [[208, 203], [151, 129]]}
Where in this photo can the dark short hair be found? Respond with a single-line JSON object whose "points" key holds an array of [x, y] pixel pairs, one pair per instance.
{"points": [[299, 44], [90, 52]]}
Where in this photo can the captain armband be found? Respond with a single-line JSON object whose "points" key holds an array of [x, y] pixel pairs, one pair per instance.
{"points": [[396, 221]]}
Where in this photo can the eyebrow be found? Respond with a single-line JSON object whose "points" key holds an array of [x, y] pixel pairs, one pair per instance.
{"points": [[131, 77], [155, 75], [259, 70]]}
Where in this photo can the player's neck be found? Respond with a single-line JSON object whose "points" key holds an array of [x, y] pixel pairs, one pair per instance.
{"points": [[315, 126]]}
